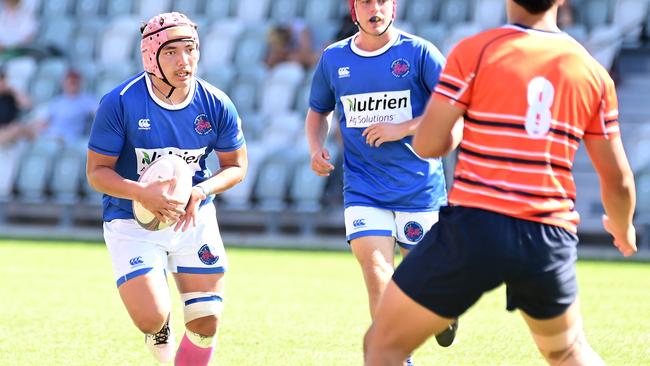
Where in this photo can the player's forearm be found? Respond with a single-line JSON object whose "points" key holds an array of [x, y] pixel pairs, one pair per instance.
{"points": [[316, 129], [619, 201], [226, 178], [106, 180], [411, 126], [429, 143]]}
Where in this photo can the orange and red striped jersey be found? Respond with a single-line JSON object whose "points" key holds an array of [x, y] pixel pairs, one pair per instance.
{"points": [[529, 97]]}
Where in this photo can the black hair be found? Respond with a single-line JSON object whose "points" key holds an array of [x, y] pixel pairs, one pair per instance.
{"points": [[536, 6]]}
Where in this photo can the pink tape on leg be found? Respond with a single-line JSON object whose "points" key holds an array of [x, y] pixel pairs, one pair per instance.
{"points": [[189, 354]]}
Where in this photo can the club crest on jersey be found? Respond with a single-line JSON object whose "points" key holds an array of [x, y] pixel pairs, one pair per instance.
{"points": [[400, 68], [413, 231], [206, 256], [201, 124]]}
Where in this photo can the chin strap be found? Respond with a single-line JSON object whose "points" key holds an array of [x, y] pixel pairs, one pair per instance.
{"points": [[375, 35]]}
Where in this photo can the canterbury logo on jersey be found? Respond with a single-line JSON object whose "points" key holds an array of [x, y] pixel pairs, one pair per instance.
{"points": [[145, 157], [363, 110]]}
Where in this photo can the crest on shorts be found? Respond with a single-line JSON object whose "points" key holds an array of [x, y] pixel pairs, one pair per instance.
{"points": [[206, 256], [201, 124], [413, 231], [400, 68]]}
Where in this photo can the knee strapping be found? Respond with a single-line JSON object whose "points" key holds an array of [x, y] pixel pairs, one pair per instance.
{"points": [[201, 304], [566, 345]]}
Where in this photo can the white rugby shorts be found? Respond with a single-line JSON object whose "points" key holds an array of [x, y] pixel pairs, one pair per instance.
{"points": [[135, 251], [408, 228]]}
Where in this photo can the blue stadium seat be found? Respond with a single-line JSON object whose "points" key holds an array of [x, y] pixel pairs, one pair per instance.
{"points": [[221, 77], [56, 31], [422, 11], [284, 11], [642, 215], [119, 8], [36, 170], [67, 172], [216, 10], [83, 47], [434, 33], [66, 177], [239, 196], [43, 89], [146, 9], [457, 33], [604, 43], [51, 9], [489, 13], [19, 72], [320, 11], [212, 163], [89, 196], [191, 8], [578, 32], [218, 45], [244, 95], [629, 16], [117, 41], [306, 193], [10, 158], [453, 12], [588, 202], [271, 188], [302, 97], [251, 48], [253, 125], [252, 11], [84, 9], [595, 13]]}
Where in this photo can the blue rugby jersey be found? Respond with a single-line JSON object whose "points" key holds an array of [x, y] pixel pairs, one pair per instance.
{"points": [[390, 85], [136, 126]]}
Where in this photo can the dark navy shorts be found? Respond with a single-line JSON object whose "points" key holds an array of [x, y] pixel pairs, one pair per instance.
{"points": [[471, 251]]}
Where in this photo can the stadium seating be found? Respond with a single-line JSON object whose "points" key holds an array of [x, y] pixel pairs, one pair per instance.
{"points": [[218, 10], [422, 11], [252, 11], [284, 11], [145, 9], [100, 39], [87, 8], [318, 12]]}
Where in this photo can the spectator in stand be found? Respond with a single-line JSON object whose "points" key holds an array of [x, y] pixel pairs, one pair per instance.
{"points": [[346, 29], [69, 115], [566, 15], [12, 103], [291, 43], [18, 27]]}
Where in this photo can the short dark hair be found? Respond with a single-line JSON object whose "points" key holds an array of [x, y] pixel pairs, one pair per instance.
{"points": [[536, 6]]}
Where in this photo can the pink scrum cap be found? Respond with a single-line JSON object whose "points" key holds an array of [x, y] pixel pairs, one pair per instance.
{"points": [[353, 13], [160, 31]]}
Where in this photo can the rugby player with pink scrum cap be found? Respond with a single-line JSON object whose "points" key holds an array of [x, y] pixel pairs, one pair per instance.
{"points": [[167, 110]]}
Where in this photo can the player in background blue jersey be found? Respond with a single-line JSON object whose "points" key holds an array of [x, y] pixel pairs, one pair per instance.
{"points": [[378, 80], [167, 110]]}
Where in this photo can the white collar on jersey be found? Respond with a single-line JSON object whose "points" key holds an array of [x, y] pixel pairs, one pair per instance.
{"points": [[522, 28], [166, 105], [378, 52]]}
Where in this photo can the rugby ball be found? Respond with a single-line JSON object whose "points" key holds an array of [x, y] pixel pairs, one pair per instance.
{"points": [[165, 167]]}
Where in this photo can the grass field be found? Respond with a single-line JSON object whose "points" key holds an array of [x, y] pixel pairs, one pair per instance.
{"points": [[59, 306]]}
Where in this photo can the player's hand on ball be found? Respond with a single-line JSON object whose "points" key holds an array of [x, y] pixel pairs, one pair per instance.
{"points": [[379, 133], [624, 240], [320, 162], [191, 210], [155, 197]]}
